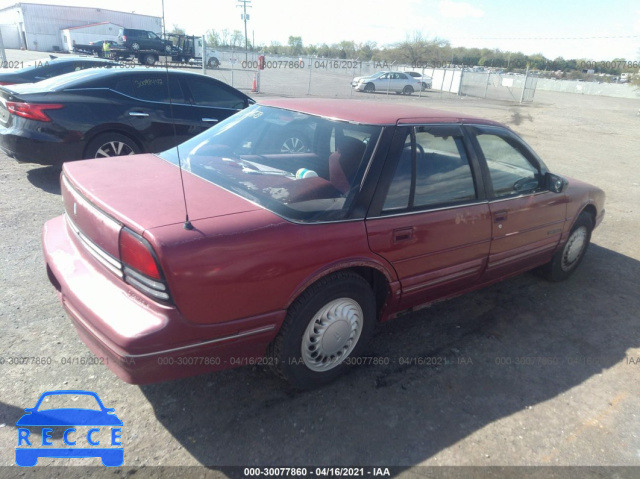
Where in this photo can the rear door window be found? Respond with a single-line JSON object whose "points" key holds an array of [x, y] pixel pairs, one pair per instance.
{"points": [[152, 87], [433, 170]]}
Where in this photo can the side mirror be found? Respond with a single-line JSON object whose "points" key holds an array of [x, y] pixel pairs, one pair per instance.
{"points": [[556, 183]]}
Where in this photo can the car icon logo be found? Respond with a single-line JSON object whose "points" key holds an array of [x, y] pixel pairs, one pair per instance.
{"points": [[87, 431]]}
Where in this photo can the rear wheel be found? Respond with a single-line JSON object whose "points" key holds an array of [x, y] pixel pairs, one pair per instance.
{"points": [[407, 90], [135, 46], [325, 327], [167, 49], [149, 59], [565, 261], [111, 144]]}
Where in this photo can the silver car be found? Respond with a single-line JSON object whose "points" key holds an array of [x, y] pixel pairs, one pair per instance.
{"points": [[396, 82], [426, 80], [356, 80]]}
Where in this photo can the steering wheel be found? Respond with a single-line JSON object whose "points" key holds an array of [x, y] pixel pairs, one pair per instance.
{"points": [[420, 154], [526, 184]]}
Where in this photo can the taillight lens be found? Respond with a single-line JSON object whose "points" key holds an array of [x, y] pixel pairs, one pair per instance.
{"points": [[140, 267], [32, 111]]}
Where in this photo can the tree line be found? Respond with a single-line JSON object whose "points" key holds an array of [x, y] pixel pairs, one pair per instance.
{"points": [[419, 51]]}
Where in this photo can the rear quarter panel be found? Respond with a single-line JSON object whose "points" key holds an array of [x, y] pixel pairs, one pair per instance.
{"points": [[244, 265]]}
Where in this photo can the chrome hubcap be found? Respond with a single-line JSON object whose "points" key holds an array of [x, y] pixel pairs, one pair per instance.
{"points": [[574, 248], [332, 334], [114, 148]]}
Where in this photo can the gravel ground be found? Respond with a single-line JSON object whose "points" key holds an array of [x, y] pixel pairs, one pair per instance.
{"points": [[527, 373]]}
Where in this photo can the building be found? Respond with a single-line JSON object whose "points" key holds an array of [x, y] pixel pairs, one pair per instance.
{"points": [[50, 28]]}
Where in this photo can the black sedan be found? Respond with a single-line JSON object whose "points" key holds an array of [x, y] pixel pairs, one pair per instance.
{"points": [[38, 70], [110, 112]]}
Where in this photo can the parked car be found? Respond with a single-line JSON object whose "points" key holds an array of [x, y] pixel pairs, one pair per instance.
{"points": [[357, 80], [396, 82], [52, 66], [290, 260], [426, 80], [108, 112], [134, 39]]}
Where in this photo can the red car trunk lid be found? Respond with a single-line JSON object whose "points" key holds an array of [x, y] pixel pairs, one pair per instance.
{"points": [[155, 199]]}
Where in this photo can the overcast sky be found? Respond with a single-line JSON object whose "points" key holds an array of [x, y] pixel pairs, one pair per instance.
{"points": [[593, 29]]}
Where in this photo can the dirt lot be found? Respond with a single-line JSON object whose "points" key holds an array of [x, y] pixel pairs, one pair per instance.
{"points": [[527, 373]]}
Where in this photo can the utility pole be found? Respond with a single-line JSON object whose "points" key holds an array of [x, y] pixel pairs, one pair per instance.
{"points": [[164, 30], [245, 17]]}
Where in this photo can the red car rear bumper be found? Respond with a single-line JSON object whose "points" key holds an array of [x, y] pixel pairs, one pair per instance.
{"points": [[139, 340]]}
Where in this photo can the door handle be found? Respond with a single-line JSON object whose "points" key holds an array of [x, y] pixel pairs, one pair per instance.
{"points": [[210, 120], [499, 216], [138, 114], [402, 234]]}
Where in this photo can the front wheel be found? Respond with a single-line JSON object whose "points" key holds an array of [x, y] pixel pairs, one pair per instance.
{"points": [[369, 88], [111, 144], [567, 259], [328, 324]]}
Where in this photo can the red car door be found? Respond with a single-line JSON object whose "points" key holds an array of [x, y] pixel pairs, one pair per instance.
{"points": [[526, 218], [431, 221]]}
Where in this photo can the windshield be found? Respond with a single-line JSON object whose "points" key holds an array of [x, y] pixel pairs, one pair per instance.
{"points": [[299, 166], [376, 75]]}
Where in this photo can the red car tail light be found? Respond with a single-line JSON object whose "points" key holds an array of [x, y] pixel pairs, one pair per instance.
{"points": [[140, 267], [32, 111]]}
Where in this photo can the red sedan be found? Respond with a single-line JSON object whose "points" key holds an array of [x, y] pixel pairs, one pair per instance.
{"points": [[282, 235]]}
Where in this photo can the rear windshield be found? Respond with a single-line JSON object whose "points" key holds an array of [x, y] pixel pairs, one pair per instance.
{"points": [[68, 80], [301, 167]]}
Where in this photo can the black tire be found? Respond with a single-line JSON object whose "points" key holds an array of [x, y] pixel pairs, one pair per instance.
{"points": [[369, 88], [149, 59], [135, 46], [346, 303], [111, 144], [407, 90], [567, 259], [168, 49]]}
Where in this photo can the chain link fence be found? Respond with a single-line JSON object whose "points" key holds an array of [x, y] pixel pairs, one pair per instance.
{"points": [[300, 76], [498, 86]]}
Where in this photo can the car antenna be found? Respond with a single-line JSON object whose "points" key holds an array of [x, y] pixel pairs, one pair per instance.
{"points": [[187, 223]]}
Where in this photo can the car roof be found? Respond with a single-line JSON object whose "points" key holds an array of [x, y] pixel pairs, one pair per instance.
{"points": [[40, 62], [372, 112], [78, 78]]}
